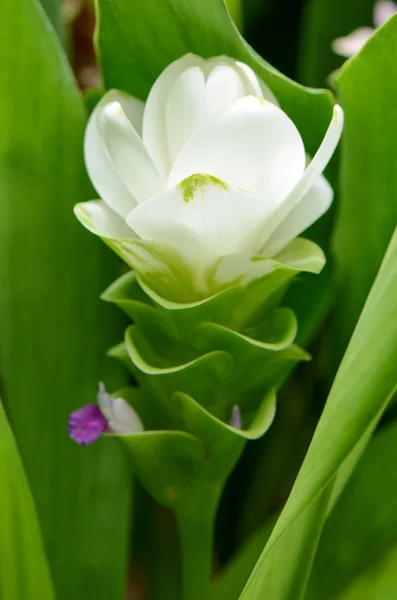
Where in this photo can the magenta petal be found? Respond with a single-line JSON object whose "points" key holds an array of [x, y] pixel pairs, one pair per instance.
{"points": [[87, 424]]}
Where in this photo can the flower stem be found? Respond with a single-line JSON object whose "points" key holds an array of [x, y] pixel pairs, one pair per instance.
{"points": [[196, 520]]}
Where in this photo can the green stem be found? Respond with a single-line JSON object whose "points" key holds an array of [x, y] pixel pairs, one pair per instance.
{"points": [[195, 521]]}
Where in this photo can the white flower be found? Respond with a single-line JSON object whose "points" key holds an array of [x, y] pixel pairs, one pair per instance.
{"points": [[351, 44], [210, 166], [120, 416]]}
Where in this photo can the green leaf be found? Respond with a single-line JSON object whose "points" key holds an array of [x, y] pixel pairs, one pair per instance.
{"points": [[53, 10], [362, 529], [53, 328], [137, 40], [24, 571], [235, 9], [321, 25], [368, 211], [362, 388], [236, 572], [357, 537], [379, 582]]}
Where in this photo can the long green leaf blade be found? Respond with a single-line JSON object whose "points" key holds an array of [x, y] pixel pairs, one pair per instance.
{"points": [[364, 383], [54, 330], [368, 210], [24, 571], [362, 529]]}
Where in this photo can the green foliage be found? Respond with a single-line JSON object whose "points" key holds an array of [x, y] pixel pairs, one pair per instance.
{"points": [[194, 356], [195, 364], [361, 390], [362, 529], [53, 10], [368, 209], [53, 329], [24, 570], [379, 581], [322, 24], [235, 9]]}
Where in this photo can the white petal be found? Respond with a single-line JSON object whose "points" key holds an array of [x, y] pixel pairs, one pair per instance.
{"points": [[98, 218], [128, 154], [251, 143], [105, 402], [312, 206], [125, 418], [154, 133], [186, 108], [100, 166], [133, 108], [255, 86], [224, 86], [383, 10], [351, 44], [312, 173], [252, 85], [202, 219]]}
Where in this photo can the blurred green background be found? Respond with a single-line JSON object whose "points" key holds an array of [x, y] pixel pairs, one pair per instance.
{"points": [[103, 536]]}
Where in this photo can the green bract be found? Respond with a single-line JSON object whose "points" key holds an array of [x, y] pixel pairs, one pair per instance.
{"points": [[194, 362]]}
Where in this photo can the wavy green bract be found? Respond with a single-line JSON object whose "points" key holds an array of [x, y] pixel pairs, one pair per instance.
{"points": [[194, 362]]}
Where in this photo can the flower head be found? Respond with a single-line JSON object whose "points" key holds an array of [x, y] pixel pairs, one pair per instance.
{"points": [[115, 415], [210, 166], [351, 44], [87, 424]]}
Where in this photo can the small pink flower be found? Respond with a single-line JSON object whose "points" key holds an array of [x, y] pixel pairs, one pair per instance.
{"points": [[115, 415], [87, 424]]}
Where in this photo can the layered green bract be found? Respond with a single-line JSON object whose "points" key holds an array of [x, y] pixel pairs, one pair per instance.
{"points": [[195, 361]]}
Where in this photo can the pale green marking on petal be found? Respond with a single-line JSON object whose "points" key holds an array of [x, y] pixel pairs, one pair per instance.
{"points": [[198, 181]]}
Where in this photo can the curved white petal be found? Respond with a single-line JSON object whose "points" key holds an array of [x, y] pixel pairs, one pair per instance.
{"points": [[125, 419], [99, 163], [186, 108], [128, 154], [224, 85], [132, 107], [251, 143], [154, 132], [202, 219], [98, 218], [312, 206], [122, 418], [312, 173], [254, 85], [117, 162]]}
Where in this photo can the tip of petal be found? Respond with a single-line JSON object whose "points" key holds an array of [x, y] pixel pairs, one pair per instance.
{"points": [[87, 424], [338, 115], [114, 109]]}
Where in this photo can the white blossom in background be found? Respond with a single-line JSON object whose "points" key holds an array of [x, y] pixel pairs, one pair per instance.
{"points": [[210, 165], [351, 44]]}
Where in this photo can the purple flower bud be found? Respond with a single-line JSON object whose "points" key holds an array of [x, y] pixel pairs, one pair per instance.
{"points": [[87, 424]]}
